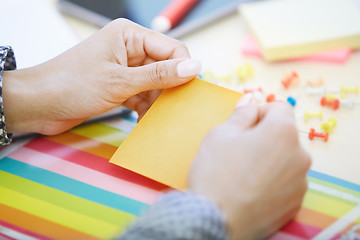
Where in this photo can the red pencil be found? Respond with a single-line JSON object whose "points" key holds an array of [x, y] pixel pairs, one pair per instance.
{"points": [[172, 14]]}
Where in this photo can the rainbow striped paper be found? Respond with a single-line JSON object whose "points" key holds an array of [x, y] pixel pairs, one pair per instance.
{"points": [[63, 187]]}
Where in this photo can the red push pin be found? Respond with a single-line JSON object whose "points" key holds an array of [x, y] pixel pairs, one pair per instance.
{"points": [[291, 78], [313, 134], [270, 98], [334, 103]]}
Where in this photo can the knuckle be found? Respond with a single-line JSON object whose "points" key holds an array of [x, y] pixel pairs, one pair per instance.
{"points": [[180, 50], [115, 81], [121, 22], [182, 45], [158, 76]]}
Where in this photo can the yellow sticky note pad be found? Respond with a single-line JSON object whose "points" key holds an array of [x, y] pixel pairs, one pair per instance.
{"points": [[164, 143], [293, 28]]}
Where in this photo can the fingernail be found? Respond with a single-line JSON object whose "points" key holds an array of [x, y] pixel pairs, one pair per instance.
{"points": [[244, 100], [188, 68]]}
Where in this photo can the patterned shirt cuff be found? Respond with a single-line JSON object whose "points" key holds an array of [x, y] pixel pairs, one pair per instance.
{"points": [[7, 62], [179, 215]]}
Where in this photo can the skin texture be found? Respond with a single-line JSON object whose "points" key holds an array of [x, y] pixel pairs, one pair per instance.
{"points": [[123, 63], [254, 169]]}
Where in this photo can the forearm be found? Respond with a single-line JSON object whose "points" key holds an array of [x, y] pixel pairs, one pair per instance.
{"points": [[179, 215]]}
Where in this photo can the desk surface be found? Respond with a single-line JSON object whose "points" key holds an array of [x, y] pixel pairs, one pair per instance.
{"points": [[340, 156]]}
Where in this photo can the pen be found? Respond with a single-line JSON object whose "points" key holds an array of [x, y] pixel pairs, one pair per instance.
{"points": [[172, 14]]}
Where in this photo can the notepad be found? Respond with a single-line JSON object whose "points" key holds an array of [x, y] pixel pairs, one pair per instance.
{"points": [[250, 47], [164, 143], [294, 28]]}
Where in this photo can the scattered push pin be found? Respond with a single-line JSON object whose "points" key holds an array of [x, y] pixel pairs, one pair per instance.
{"points": [[244, 72], [227, 78], [334, 104], [208, 76], [345, 90], [319, 82], [349, 103], [290, 79], [313, 134], [308, 115], [252, 90], [292, 101], [328, 126], [320, 91], [330, 96], [270, 98], [333, 91], [211, 77]]}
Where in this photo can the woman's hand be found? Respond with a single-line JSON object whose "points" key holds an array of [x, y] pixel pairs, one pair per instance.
{"points": [[253, 167], [123, 63]]}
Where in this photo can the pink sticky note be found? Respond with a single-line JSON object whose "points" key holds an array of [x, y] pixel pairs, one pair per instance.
{"points": [[251, 48]]}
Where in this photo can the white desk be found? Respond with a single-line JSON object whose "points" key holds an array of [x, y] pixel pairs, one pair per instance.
{"points": [[218, 47]]}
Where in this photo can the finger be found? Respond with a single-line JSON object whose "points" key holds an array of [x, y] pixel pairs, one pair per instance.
{"points": [[161, 75], [277, 120], [276, 110], [246, 113], [155, 45], [162, 47], [142, 102]]}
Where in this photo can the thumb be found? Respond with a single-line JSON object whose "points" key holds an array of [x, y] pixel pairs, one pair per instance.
{"points": [[164, 74], [246, 113]]}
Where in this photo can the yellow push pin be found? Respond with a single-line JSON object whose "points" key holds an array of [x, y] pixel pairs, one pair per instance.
{"points": [[330, 96], [227, 78], [208, 76], [244, 72], [308, 115], [345, 90], [328, 126]]}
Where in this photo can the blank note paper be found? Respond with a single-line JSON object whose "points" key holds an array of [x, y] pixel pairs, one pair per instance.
{"points": [[164, 143], [293, 28]]}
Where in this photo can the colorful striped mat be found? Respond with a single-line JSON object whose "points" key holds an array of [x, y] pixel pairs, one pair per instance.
{"points": [[63, 187]]}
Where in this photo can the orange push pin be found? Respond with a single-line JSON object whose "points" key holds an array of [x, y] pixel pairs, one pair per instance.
{"points": [[334, 103], [290, 79], [319, 82], [270, 98], [313, 134]]}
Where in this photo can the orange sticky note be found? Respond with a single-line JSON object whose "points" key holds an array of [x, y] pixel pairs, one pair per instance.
{"points": [[164, 143]]}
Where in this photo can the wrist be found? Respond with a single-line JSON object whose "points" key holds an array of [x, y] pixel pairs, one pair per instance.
{"points": [[21, 100]]}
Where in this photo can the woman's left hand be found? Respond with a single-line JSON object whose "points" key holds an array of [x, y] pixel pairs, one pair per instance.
{"points": [[123, 63]]}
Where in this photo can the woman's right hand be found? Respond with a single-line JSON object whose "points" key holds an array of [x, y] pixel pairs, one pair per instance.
{"points": [[253, 168]]}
